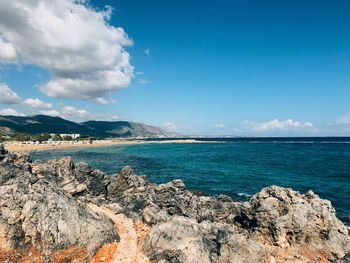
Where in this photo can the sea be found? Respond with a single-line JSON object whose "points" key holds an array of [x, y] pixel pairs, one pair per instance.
{"points": [[238, 167]]}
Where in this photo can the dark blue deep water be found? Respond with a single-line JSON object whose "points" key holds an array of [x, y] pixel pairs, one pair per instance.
{"points": [[234, 167]]}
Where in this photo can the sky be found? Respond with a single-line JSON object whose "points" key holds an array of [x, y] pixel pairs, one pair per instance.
{"points": [[251, 68]]}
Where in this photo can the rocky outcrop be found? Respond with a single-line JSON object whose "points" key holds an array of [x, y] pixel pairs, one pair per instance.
{"points": [[286, 218], [35, 213], [74, 179], [58, 206], [185, 240]]}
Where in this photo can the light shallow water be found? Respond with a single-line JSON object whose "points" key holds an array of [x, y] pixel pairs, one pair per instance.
{"points": [[238, 169]]}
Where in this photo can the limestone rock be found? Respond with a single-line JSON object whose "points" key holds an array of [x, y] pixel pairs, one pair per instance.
{"points": [[345, 259], [35, 213], [184, 240], [74, 179], [286, 218], [42, 205]]}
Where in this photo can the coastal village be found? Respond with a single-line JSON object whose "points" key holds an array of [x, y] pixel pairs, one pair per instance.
{"points": [[67, 141]]}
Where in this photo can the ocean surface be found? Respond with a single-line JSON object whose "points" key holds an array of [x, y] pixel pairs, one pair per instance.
{"points": [[235, 167]]}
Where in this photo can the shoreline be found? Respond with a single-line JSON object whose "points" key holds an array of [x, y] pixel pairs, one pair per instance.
{"points": [[30, 147]]}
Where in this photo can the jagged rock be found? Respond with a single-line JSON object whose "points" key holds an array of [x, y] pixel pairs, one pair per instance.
{"points": [[75, 180], [286, 218], [124, 181], [21, 158], [218, 209], [61, 172], [184, 240], [279, 216], [135, 194], [14, 157], [345, 259], [96, 181], [42, 206], [2, 151], [237, 248], [139, 197], [35, 213], [179, 240], [152, 215]]}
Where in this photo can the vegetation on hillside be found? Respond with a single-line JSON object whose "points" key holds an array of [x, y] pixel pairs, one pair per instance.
{"points": [[41, 137], [42, 124]]}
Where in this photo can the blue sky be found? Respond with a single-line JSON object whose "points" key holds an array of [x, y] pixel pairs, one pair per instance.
{"points": [[262, 68]]}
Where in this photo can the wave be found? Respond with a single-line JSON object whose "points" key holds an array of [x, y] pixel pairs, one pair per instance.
{"points": [[244, 194]]}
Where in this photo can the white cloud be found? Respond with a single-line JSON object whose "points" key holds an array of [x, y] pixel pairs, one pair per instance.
{"points": [[53, 113], [219, 126], [38, 104], [8, 96], [144, 81], [105, 101], [8, 54], [107, 117], [169, 126], [9, 111], [147, 51], [277, 125], [344, 119], [102, 101], [73, 41], [139, 73], [70, 112]]}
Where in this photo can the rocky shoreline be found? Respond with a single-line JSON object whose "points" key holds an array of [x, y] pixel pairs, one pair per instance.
{"points": [[59, 211]]}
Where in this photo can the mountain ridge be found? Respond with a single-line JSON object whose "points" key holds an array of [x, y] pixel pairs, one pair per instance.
{"points": [[37, 124]]}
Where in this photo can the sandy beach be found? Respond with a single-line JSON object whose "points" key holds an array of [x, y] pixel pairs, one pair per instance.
{"points": [[30, 147]]}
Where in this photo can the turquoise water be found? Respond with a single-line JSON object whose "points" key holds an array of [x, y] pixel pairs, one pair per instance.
{"points": [[238, 169]]}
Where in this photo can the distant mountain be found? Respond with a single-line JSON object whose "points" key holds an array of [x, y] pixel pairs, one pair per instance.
{"points": [[124, 128], [41, 124], [47, 124]]}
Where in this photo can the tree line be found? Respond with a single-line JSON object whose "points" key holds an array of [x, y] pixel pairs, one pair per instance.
{"points": [[42, 137]]}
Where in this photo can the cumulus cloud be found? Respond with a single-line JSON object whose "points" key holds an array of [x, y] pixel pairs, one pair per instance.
{"points": [[9, 111], [147, 51], [73, 41], [8, 54], [53, 113], [102, 101], [105, 101], [344, 119], [277, 125], [71, 112], [38, 104], [107, 117], [7, 95]]}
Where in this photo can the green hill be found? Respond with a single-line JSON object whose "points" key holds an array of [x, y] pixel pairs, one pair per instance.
{"points": [[47, 124]]}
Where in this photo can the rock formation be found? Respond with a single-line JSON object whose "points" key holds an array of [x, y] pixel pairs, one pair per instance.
{"points": [[58, 211]]}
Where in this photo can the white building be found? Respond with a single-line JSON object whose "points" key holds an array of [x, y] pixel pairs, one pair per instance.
{"points": [[73, 135]]}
